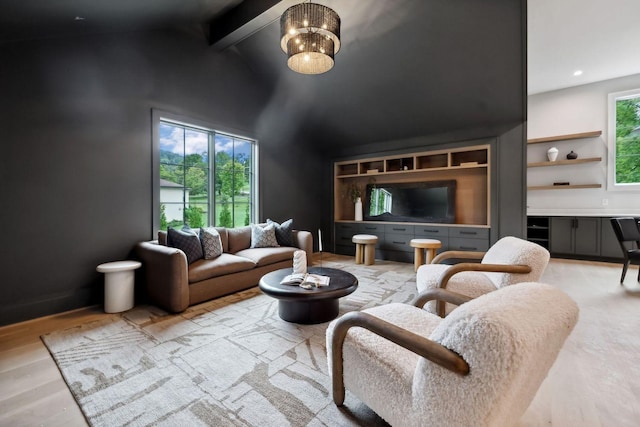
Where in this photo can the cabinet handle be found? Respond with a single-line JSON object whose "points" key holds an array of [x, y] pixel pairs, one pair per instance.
{"points": [[400, 243], [369, 228], [399, 229], [431, 231], [468, 248], [469, 232]]}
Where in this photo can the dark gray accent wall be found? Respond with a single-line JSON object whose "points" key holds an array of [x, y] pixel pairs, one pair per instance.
{"points": [[75, 114], [75, 168]]}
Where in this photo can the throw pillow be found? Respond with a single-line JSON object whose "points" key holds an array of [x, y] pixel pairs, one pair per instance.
{"points": [[211, 243], [263, 237], [187, 241], [284, 232]]}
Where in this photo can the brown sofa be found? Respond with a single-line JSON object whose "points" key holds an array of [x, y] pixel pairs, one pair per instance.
{"points": [[174, 285]]}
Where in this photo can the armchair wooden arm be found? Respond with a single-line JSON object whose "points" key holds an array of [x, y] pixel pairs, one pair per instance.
{"points": [[420, 345], [471, 266], [439, 294], [457, 254]]}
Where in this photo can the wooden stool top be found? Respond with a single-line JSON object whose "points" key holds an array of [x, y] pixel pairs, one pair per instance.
{"points": [[425, 243], [364, 239]]}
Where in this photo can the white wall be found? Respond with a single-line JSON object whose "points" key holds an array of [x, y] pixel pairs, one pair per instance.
{"points": [[574, 110]]}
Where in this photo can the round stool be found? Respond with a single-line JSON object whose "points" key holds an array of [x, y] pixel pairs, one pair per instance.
{"points": [[420, 245], [118, 285], [365, 248]]}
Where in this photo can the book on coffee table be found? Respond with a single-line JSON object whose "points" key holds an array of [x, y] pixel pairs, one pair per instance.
{"points": [[297, 279]]}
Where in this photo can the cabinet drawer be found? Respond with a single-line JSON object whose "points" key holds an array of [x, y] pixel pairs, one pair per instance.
{"points": [[377, 229], [431, 232], [464, 244], [397, 242], [347, 227], [469, 232], [344, 239], [398, 229]]}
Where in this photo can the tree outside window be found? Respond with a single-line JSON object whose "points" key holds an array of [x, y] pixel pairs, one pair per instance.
{"points": [[205, 177], [624, 141]]}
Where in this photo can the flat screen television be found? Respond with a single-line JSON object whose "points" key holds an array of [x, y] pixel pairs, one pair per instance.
{"points": [[431, 201]]}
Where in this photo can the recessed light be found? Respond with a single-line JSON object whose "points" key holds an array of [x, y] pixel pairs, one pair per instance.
{"points": [[577, 73], [79, 18]]}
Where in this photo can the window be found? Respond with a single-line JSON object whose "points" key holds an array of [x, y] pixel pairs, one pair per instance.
{"points": [[624, 140], [206, 177]]}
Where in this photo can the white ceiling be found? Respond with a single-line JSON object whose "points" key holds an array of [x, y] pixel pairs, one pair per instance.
{"points": [[599, 37]]}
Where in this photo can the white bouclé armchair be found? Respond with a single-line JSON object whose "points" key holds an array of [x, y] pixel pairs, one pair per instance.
{"points": [[509, 261], [480, 366]]}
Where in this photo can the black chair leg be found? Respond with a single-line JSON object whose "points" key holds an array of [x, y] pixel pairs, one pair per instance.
{"points": [[624, 271], [639, 274]]}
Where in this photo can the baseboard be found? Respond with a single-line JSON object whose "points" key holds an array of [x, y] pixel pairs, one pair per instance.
{"points": [[47, 305]]}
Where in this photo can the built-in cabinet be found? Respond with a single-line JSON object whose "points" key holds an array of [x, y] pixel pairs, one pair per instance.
{"points": [[393, 239], [567, 236], [555, 185], [575, 236], [468, 166]]}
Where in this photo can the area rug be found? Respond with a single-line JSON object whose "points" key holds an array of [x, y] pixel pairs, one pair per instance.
{"points": [[231, 361]]}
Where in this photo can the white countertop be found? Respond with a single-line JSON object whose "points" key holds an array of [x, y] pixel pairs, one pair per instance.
{"points": [[581, 212]]}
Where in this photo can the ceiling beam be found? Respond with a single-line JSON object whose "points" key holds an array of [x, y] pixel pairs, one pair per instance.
{"points": [[244, 20]]}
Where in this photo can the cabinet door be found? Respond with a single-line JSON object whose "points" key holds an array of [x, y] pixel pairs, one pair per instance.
{"points": [[561, 239], [587, 236], [609, 245]]}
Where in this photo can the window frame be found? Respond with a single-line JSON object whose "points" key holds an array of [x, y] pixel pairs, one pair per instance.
{"points": [[612, 185], [164, 116]]}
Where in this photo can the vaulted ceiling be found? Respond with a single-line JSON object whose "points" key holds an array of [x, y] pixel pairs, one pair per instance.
{"points": [[406, 68]]}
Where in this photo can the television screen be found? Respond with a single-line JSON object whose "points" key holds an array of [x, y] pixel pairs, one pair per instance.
{"points": [[431, 201]]}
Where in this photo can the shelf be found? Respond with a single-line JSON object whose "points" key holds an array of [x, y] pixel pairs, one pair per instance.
{"points": [[563, 187], [564, 162], [567, 137]]}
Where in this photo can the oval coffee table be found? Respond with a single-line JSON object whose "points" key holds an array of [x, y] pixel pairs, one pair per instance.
{"points": [[315, 305]]}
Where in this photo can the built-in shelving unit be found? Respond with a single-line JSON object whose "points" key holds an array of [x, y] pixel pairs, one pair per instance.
{"points": [[568, 162], [468, 166]]}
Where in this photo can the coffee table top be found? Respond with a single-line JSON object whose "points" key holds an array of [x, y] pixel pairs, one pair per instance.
{"points": [[342, 283]]}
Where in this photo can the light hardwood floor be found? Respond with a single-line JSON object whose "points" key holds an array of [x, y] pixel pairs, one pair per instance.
{"points": [[594, 382]]}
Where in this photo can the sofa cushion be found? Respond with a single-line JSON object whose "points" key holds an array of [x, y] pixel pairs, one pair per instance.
{"points": [[211, 242], [266, 256], [187, 241], [239, 239], [284, 232], [263, 236], [224, 264]]}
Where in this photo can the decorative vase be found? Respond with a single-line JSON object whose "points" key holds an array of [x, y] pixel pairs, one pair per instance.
{"points": [[300, 262], [358, 209], [552, 154], [572, 155]]}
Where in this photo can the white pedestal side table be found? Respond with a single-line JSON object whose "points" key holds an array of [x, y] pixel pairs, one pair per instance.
{"points": [[119, 284]]}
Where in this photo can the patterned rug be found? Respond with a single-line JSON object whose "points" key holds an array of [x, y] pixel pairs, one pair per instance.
{"points": [[228, 362]]}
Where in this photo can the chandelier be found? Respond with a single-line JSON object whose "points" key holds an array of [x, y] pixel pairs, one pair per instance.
{"points": [[310, 36]]}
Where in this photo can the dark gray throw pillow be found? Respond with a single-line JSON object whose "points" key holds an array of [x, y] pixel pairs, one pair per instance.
{"points": [[284, 232], [187, 241]]}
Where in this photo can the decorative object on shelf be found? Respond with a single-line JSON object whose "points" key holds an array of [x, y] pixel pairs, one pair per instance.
{"points": [[299, 262], [572, 155], [552, 154], [310, 36], [358, 207], [353, 191], [562, 183]]}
